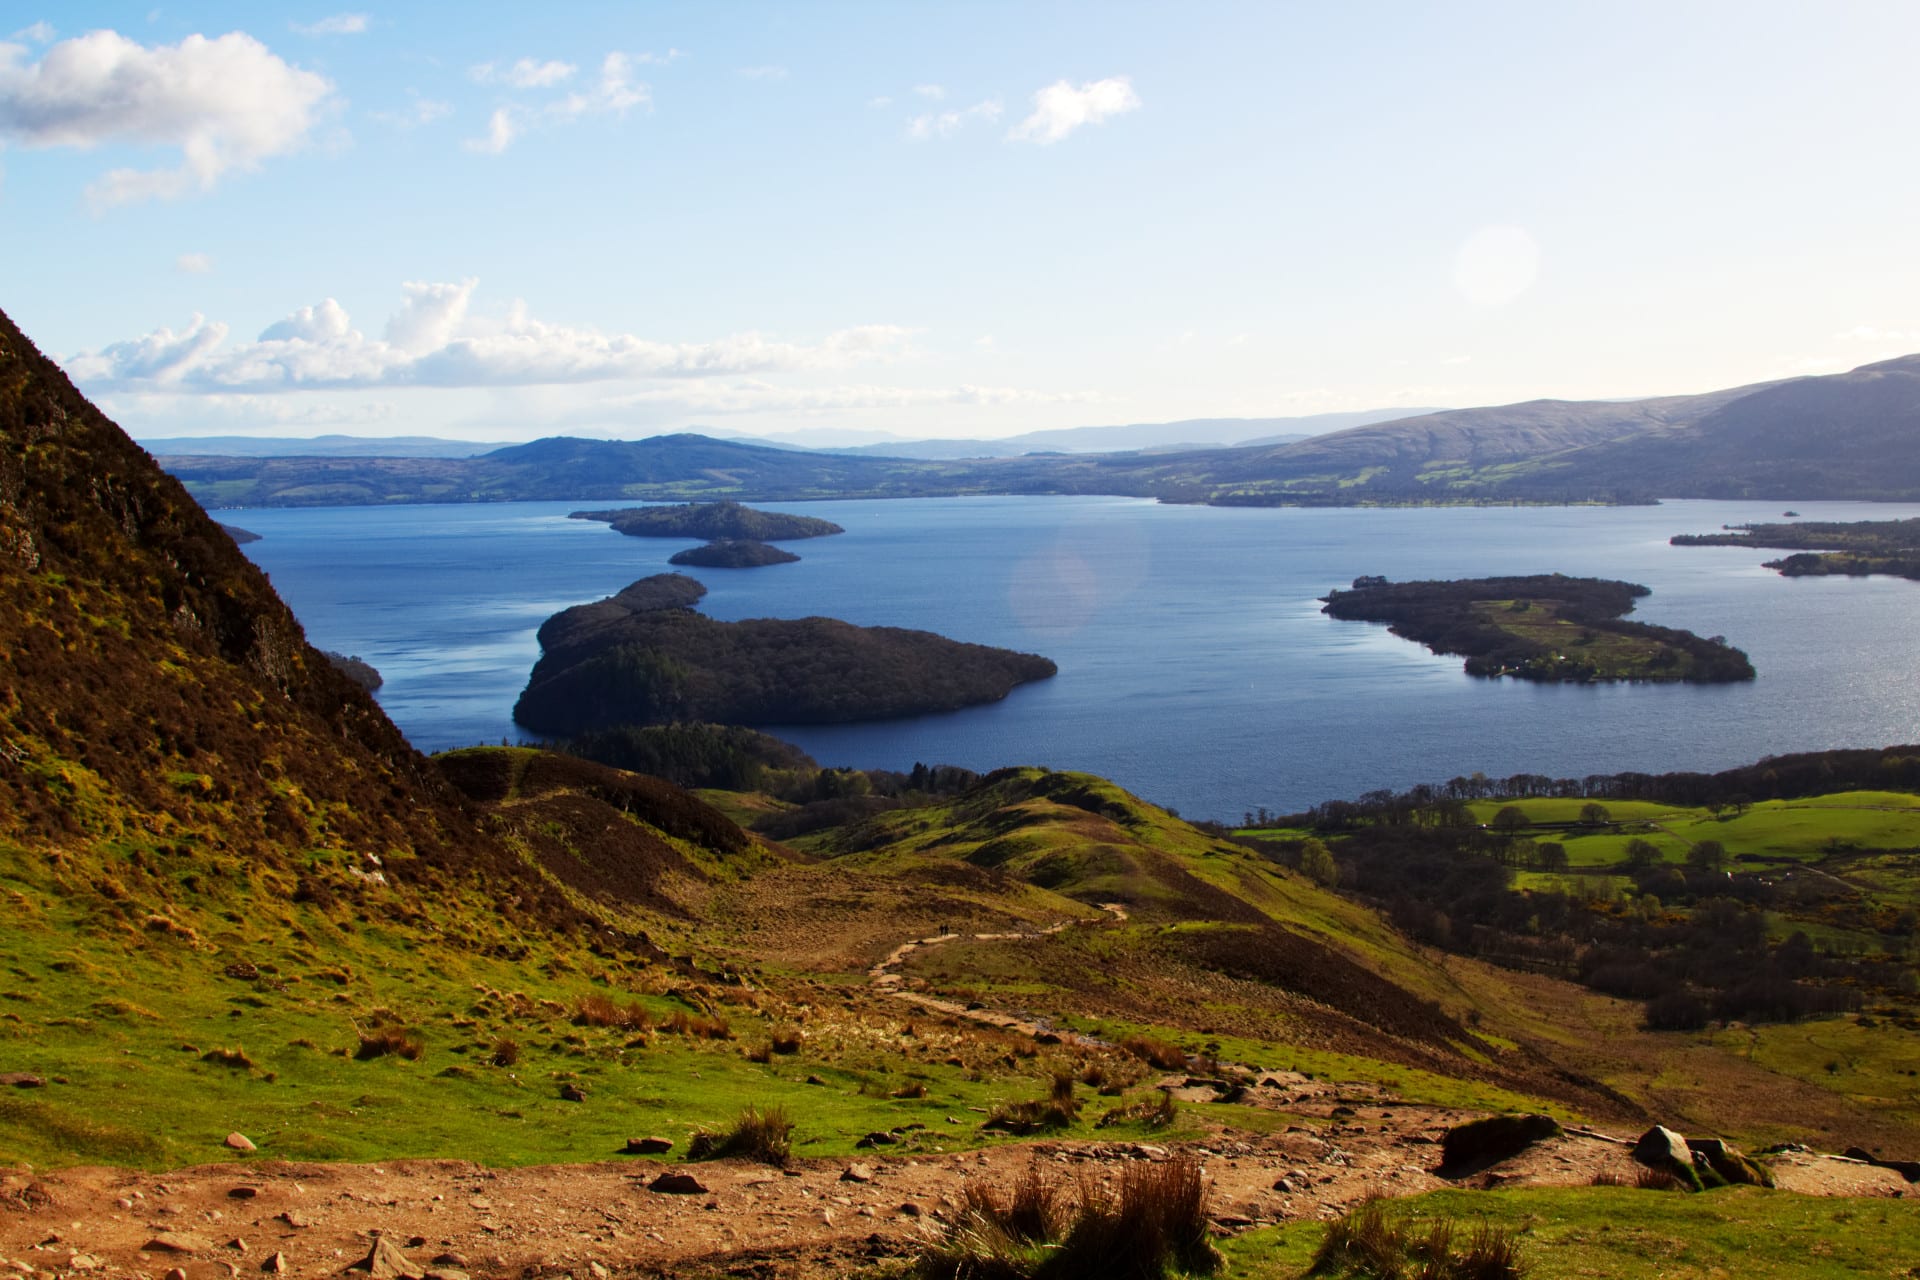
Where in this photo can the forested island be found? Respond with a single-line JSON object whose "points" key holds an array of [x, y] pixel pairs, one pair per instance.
{"points": [[1546, 627], [1855, 549], [732, 553], [645, 656], [713, 521]]}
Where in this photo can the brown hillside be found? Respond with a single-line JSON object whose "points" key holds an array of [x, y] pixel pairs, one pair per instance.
{"points": [[157, 697]]}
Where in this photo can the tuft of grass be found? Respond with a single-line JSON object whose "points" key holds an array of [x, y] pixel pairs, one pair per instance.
{"points": [[758, 1133], [1154, 1113], [1367, 1244], [382, 1041], [597, 1010], [1153, 1224], [1163, 1054], [235, 1058]]}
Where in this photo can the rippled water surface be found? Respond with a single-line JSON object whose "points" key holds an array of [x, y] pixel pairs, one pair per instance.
{"points": [[1195, 666]]}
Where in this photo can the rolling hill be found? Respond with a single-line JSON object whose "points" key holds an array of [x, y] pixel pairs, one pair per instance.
{"points": [[1848, 435]]}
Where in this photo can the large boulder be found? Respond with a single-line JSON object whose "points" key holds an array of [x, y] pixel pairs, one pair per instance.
{"points": [[1663, 1149], [1727, 1164]]}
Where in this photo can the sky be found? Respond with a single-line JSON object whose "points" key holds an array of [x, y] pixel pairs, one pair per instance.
{"points": [[504, 221]]}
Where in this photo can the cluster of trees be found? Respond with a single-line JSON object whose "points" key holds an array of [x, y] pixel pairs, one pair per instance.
{"points": [[712, 522], [1786, 777], [732, 553], [1692, 941], [624, 661], [1455, 617]]}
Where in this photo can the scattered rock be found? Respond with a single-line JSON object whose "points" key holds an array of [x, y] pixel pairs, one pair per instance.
{"points": [[649, 1146], [1908, 1169], [598, 1271], [449, 1260], [815, 1080], [298, 1221], [445, 1273], [572, 1093], [677, 1184], [243, 1193], [385, 1262], [857, 1173], [877, 1138], [1663, 1149], [21, 1080], [177, 1242], [83, 1262], [1479, 1143], [1728, 1164], [276, 1265], [240, 1142], [176, 1273], [910, 1210]]}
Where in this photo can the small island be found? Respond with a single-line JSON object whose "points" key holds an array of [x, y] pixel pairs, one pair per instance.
{"points": [[1545, 627], [711, 522], [1824, 548], [645, 656], [239, 535], [732, 553]]}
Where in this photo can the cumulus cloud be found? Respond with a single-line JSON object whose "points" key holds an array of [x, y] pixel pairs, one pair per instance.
{"points": [[194, 264], [227, 103], [1060, 108], [614, 93], [340, 24], [526, 73], [38, 33], [434, 340], [944, 124]]}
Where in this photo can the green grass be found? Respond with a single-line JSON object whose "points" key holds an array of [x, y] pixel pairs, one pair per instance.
{"points": [[1625, 1234]]}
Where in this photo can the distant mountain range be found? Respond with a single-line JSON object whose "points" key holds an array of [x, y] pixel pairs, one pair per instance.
{"points": [[1186, 434], [1847, 435]]}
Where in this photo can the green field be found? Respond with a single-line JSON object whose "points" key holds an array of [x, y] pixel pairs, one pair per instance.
{"points": [[1624, 1234]]}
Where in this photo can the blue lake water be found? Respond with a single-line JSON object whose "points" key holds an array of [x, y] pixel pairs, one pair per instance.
{"points": [[1195, 666]]}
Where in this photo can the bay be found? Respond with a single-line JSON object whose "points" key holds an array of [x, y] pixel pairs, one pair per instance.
{"points": [[1195, 666]]}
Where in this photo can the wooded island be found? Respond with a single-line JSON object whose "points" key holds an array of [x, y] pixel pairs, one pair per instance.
{"points": [[1546, 627]]}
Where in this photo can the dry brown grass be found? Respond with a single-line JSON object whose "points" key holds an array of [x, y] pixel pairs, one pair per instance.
{"points": [[382, 1041], [597, 1010], [1367, 1244], [1153, 1223], [505, 1052], [1163, 1054], [758, 1133], [697, 1026], [235, 1058], [1155, 1113]]}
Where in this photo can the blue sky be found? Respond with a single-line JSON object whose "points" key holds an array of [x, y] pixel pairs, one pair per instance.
{"points": [[505, 221]]}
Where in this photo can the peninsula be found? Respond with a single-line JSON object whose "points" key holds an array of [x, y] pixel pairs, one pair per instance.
{"points": [[1546, 627], [645, 656], [732, 553], [1824, 548], [712, 521]]}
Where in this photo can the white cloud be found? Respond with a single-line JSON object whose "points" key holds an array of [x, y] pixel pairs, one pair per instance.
{"points": [[194, 264], [433, 340], [226, 104], [420, 111], [501, 131], [1060, 108], [340, 24], [615, 93], [652, 59], [526, 73], [38, 33], [944, 124], [762, 73], [930, 91]]}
